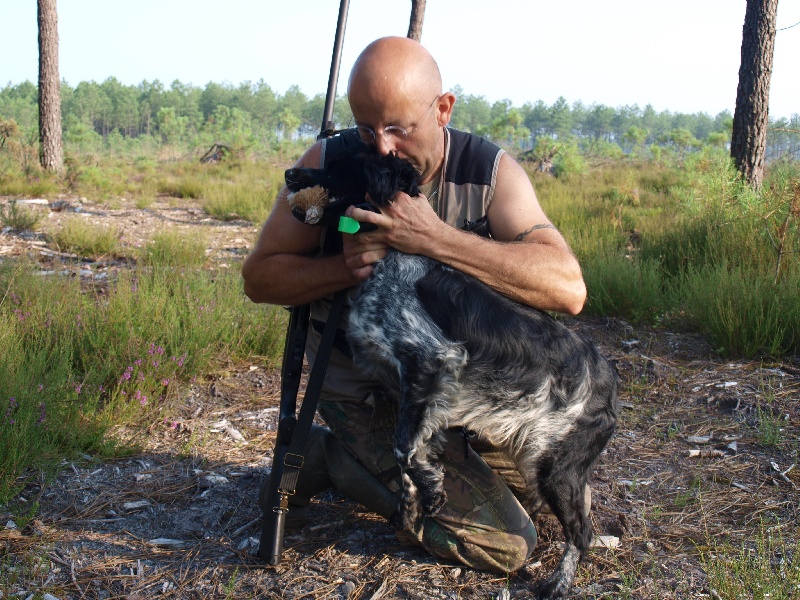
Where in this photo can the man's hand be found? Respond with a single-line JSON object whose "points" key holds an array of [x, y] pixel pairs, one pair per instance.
{"points": [[360, 255], [409, 224]]}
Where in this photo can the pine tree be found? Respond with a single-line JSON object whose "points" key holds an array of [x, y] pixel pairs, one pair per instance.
{"points": [[51, 155], [751, 118]]}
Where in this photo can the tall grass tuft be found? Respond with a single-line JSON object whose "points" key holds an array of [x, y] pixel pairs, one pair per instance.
{"points": [[745, 312], [171, 248], [19, 217], [76, 362], [242, 200], [619, 285], [87, 239]]}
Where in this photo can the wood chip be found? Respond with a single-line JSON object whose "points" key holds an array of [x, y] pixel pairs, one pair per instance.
{"points": [[136, 505], [605, 541], [705, 453], [167, 543]]}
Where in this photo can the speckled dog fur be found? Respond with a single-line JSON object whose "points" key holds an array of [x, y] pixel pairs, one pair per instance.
{"points": [[455, 353]]}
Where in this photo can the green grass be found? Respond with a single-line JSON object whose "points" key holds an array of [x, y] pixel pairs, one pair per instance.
{"points": [[170, 248], [767, 567], [19, 217], [688, 246], [77, 362], [233, 189], [86, 239]]}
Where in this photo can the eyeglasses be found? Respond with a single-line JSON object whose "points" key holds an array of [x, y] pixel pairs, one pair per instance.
{"points": [[393, 133]]}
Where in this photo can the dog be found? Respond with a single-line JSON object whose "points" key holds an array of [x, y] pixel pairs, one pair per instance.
{"points": [[455, 353]]}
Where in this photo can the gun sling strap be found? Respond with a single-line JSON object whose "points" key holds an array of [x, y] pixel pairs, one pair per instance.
{"points": [[293, 459]]}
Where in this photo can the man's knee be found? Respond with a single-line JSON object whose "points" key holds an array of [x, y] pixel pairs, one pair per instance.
{"points": [[480, 547]]}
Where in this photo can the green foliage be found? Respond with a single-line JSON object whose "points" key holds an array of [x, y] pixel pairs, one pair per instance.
{"points": [[766, 567], [182, 188], [18, 216], [690, 246], [170, 248], [79, 236], [248, 195], [744, 312], [110, 118], [620, 285], [75, 363], [569, 161]]}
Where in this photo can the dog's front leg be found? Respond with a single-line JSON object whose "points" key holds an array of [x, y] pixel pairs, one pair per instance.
{"points": [[418, 442]]}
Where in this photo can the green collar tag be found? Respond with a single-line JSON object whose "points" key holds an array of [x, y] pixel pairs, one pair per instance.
{"points": [[348, 225]]}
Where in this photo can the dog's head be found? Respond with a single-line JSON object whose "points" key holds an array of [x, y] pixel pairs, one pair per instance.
{"points": [[321, 196]]}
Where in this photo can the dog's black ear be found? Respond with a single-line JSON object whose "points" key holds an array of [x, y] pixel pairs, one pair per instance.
{"points": [[409, 178], [388, 175]]}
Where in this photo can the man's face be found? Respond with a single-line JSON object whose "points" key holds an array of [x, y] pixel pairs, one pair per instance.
{"points": [[406, 128]]}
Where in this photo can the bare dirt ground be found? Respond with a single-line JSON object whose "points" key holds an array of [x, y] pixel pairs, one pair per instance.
{"points": [[704, 454]]}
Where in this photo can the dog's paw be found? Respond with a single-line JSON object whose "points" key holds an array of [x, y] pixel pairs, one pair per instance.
{"points": [[434, 502], [552, 588]]}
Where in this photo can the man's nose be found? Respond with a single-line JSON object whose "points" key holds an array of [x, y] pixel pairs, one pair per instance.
{"points": [[384, 144]]}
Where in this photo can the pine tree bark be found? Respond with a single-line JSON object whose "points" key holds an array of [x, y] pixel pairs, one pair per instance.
{"points": [[50, 150], [417, 17], [751, 117]]}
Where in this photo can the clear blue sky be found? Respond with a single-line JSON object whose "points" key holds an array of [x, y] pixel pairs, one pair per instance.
{"points": [[681, 56]]}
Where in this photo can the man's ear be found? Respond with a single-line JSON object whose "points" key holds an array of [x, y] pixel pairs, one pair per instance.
{"points": [[444, 108]]}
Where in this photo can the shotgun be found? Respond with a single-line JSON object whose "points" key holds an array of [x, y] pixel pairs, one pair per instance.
{"points": [[282, 482]]}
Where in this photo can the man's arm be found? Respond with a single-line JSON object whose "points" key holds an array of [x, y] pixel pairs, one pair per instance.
{"points": [[528, 260], [283, 267]]}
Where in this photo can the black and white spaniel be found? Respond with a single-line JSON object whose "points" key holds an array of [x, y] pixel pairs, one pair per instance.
{"points": [[455, 353]]}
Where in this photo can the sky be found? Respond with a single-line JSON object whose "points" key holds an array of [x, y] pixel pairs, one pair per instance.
{"points": [[678, 56]]}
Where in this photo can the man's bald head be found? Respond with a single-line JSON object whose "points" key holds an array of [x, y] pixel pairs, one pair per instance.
{"points": [[394, 66]]}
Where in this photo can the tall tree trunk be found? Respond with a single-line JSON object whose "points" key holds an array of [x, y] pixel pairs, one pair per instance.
{"points": [[417, 17], [751, 118], [50, 153]]}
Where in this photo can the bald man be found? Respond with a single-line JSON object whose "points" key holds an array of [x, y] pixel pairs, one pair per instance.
{"points": [[395, 93]]}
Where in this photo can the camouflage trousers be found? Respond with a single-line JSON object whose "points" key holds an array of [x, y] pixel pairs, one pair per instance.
{"points": [[482, 524]]}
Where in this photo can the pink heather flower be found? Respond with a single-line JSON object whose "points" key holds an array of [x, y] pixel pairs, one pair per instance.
{"points": [[165, 382], [41, 387], [140, 397], [138, 362], [78, 388]]}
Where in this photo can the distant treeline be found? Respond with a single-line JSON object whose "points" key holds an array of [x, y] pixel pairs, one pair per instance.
{"points": [[114, 117]]}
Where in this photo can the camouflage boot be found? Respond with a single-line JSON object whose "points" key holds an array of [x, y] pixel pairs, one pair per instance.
{"points": [[327, 464]]}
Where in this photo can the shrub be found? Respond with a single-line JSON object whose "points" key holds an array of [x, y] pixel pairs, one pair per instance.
{"points": [[19, 217]]}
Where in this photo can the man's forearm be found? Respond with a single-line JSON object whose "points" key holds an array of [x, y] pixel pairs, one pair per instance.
{"points": [[291, 280], [537, 274]]}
